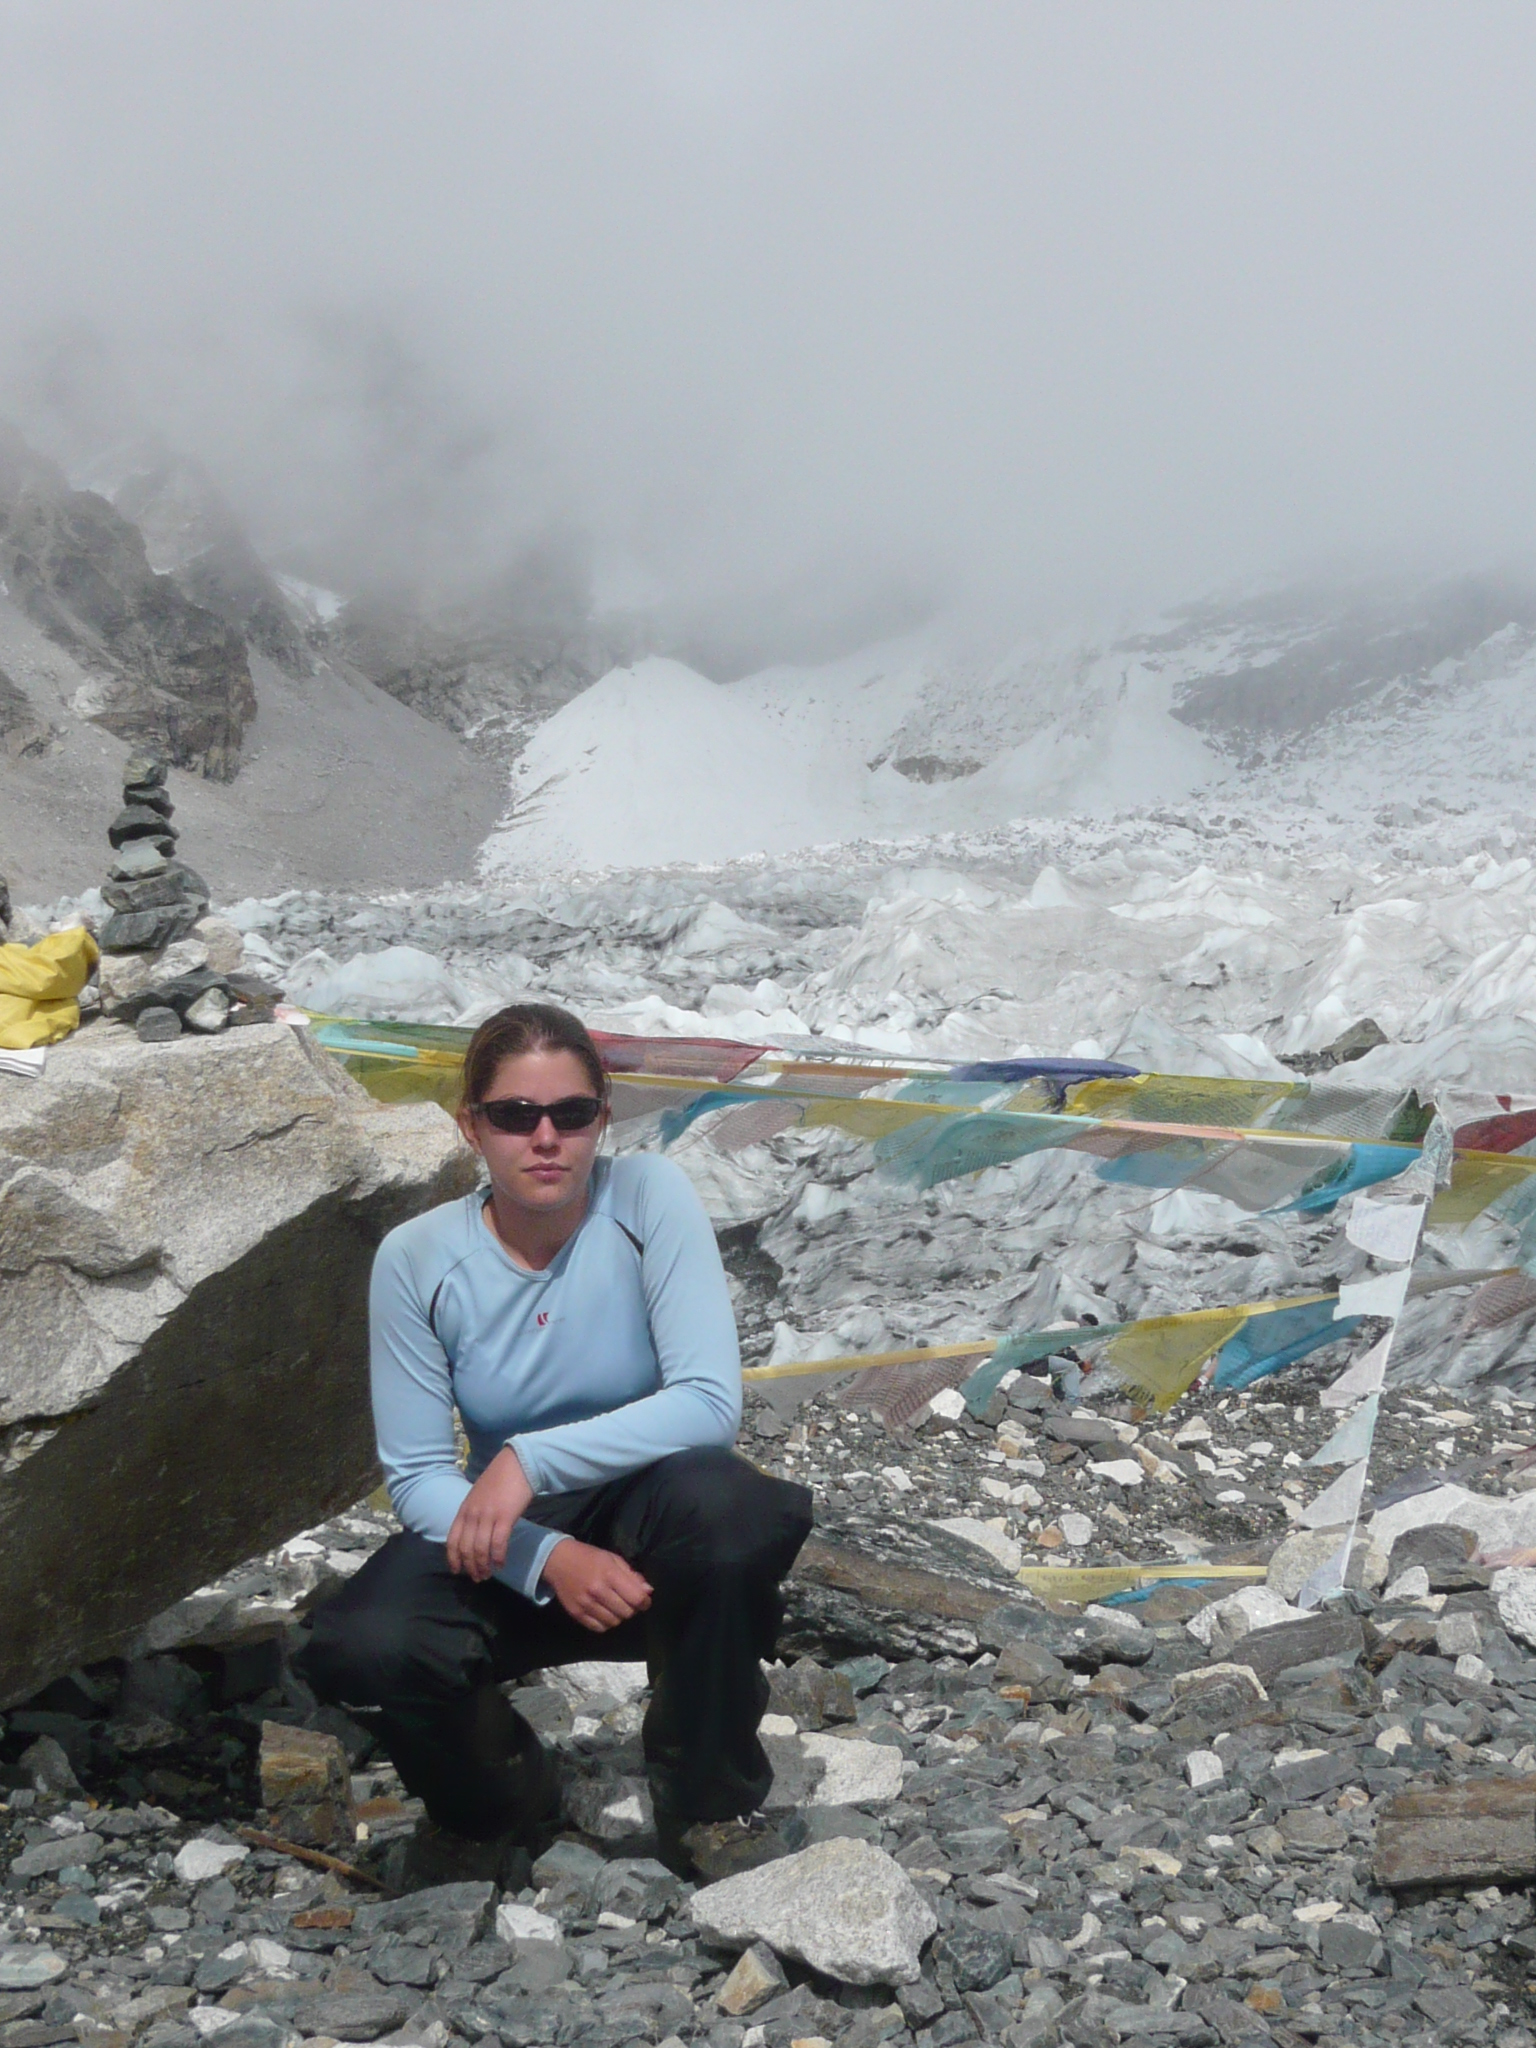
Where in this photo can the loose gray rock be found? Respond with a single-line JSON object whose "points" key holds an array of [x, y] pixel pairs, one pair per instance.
{"points": [[355, 2015], [140, 931], [157, 1025], [48, 1769], [61, 1853], [610, 1809], [843, 1907], [210, 1011], [25, 1968]]}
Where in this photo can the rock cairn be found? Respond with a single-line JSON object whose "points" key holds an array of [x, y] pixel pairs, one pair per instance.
{"points": [[155, 898], [167, 966]]}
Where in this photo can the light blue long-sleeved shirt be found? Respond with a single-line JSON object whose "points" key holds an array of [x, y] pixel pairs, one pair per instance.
{"points": [[620, 1352]]}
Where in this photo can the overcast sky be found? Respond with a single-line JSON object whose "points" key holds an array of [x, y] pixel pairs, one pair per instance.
{"points": [[1067, 301]]}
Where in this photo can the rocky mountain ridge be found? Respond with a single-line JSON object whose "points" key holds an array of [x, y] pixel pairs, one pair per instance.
{"points": [[141, 609], [164, 672]]}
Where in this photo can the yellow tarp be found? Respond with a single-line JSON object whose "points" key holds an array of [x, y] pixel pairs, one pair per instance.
{"points": [[39, 986]]}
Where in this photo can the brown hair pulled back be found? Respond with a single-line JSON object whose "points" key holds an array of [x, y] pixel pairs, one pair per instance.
{"points": [[528, 1027]]}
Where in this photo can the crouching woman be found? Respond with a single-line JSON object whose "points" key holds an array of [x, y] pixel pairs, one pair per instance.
{"points": [[576, 1314]]}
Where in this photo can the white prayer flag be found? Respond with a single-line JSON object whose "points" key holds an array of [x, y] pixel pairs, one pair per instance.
{"points": [[1367, 1375], [1387, 1230], [1382, 1295], [1337, 1503], [1328, 1578], [1352, 1439]]}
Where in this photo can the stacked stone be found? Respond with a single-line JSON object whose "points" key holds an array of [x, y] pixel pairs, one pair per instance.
{"points": [[155, 899], [167, 966]]}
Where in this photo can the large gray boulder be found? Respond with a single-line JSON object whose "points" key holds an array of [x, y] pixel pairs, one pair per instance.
{"points": [[186, 1232]]}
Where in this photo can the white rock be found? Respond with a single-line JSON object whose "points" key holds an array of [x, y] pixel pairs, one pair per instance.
{"points": [[208, 2020], [522, 1923], [222, 944], [995, 1542], [1119, 1471], [1300, 1554], [1204, 1767], [1116, 1617], [949, 1403], [1077, 1529], [1184, 1681], [1394, 1738], [1232, 1618], [1317, 1912], [1412, 1584], [597, 1681], [1514, 1592], [844, 1907], [778, 1724], [896, 1479], [24, 1968], [857, 1773], [1497, 1524], [1157, 1468], [128, 974], [201, 1859], [270, 1954], [1472, 1670], [210, 1012]]}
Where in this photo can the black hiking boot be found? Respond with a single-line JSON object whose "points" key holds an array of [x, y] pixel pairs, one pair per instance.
{"points": [[703, 1851]]}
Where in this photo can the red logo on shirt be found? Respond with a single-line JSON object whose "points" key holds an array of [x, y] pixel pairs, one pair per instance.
{"points": [[542, 1317]]}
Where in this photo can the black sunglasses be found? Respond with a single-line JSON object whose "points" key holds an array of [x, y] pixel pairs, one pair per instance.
{"points": [[519, 1119]]}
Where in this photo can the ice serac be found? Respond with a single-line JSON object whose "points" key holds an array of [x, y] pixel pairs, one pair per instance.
{"points": [[186, 1232]]}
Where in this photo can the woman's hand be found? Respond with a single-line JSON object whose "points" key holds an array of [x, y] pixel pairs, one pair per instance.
{"points": [[595, 1587], [477, 1542]]}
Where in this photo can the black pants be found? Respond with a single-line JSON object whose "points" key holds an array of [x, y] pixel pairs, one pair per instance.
{"points": [[427, 1648]]}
